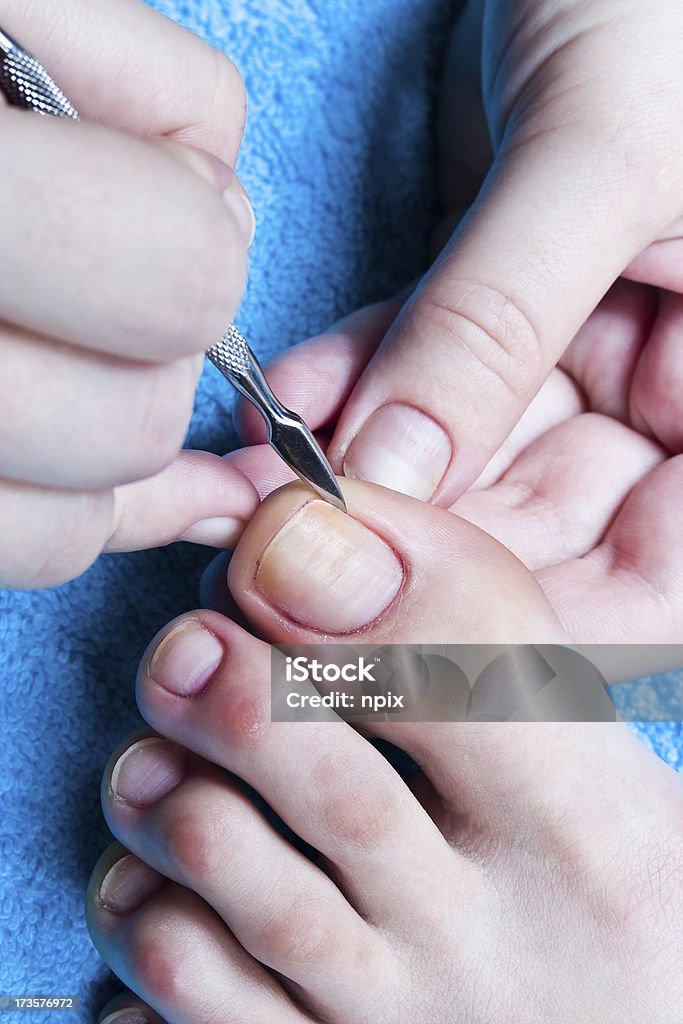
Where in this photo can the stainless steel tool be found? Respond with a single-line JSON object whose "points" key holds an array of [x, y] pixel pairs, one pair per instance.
{"points": [[27, 84]]}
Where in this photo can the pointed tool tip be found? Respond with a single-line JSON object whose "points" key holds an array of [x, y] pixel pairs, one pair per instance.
{"points": [[336, 499]]}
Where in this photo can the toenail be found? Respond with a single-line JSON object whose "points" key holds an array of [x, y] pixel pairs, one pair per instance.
{"points": [[148, 770], [186, 659], [326, 570], [127, 1015], [127, 884], [402, 448]]}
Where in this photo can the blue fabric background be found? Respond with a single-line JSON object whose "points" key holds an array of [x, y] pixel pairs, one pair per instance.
{"points": [[338, 161]]}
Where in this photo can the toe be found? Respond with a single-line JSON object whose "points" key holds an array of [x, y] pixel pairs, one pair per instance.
{"points": [[173, 950], [324, 780], [127, 1008], [200, 829], [305, 572]]}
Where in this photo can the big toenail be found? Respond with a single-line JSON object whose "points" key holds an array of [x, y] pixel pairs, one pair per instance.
{"points": [[127, 884], [186, 659], [328, 571], [148, 770]]}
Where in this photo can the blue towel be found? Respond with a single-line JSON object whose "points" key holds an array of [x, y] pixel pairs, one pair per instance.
{"points": [[338, 161]]}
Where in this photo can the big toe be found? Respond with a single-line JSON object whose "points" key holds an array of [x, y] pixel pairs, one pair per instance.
{"points": [[393, 570]]}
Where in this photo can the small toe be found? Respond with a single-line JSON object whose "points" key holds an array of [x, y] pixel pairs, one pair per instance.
{"points": [[127, 1008], [194, 824], [173, 950]]}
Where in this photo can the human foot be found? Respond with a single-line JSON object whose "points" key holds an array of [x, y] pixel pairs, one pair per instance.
{"points": [[530, 872]]}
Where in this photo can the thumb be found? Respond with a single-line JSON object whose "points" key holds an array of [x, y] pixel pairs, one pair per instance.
{"points": [[556, 222]]}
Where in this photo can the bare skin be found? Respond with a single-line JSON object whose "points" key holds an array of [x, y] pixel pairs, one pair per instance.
{"points": [[555, 145], [124, 255], [529, 872]]}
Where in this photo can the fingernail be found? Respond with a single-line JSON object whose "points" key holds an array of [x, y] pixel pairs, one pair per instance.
{"points": [[401, 448], [222, 178], [238, 202], [186, 658], [127, 1015], [148, 770], [127, 884], [220, 532], [327, 571]]}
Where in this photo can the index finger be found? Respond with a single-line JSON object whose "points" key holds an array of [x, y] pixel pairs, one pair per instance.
{"points": [[125, 65]]}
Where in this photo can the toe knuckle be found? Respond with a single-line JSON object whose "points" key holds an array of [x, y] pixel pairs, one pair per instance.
{"points": [[154, 957], [243, 719], [492, 329], [300, 934], [354, 823], [191, 846], [365, 815]]}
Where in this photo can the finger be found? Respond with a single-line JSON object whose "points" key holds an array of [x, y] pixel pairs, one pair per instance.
{"points": [[199, 497], [111, 243], [481, 333], [133, 415], [174, 951], [658, 380], [603, 357], [196, 826], [316, 377], [660, 263], [558, 401], [559, 496], [129, 67], [357, 816], [61, 533], [263, 466], [304, 571], [629, 590]]}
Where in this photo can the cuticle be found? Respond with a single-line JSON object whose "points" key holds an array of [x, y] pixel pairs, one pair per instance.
{"points": [[280, 528]]}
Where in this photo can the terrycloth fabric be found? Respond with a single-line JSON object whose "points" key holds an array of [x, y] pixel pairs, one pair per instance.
{"points": [[338, 161]]}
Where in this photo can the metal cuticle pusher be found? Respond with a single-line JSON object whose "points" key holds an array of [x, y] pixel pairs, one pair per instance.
{"points": [[26, 84]]}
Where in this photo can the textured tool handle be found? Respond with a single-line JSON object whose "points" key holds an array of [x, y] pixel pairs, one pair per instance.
{"points": [[27, 84], [238, 364], [232, 355]]}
